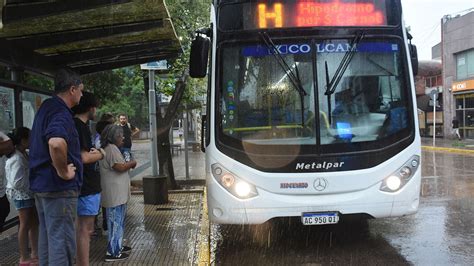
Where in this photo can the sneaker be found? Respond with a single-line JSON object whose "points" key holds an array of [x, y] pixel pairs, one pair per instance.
{"points": [[126, 249], [121, 256]]}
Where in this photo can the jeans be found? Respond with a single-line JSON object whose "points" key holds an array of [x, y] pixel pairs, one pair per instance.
{"points": [[115, 225], [57, 236]]}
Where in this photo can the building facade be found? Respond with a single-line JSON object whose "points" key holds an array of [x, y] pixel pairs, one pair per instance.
{"points": [[429, 78], [457, 54]]}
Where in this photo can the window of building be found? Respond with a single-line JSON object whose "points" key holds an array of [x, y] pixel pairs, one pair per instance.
{"points": [[439, 80], [459, 103], [469, 103], [433, 81], [428, 82], [465, 65]]}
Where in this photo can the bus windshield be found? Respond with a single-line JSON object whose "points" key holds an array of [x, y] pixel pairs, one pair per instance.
{"points": [[259, 104]]}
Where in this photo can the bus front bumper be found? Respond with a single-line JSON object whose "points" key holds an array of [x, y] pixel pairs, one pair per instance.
{"points": [[224, 208]]}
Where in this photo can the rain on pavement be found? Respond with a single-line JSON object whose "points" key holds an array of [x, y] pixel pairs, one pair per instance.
{"points": [[441, 232]]}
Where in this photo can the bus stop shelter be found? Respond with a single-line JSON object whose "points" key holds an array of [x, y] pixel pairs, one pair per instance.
{"points": [[87, 36]]}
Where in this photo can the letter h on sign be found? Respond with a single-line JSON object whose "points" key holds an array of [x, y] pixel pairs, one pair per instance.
{"points": [[276, 15]]}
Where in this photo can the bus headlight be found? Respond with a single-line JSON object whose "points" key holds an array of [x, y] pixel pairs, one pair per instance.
{"points": [[393, 182], [242, 189], [399, 178], [234, 185], [227, 180]]}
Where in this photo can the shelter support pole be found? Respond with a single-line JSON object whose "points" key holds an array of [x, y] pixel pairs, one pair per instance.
{"points": [[185, 131], [18, 75], [153, 124]]}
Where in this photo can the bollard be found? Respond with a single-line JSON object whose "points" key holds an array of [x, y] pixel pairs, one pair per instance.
{"points": [[155, 190]]}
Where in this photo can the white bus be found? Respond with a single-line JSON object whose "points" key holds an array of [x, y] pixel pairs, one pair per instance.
{"points": [[311, 110]]}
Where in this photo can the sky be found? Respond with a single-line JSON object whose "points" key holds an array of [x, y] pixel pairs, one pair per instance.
{"points": [[424, 19]]}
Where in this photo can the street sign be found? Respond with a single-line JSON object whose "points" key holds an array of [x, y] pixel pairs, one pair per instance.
{"points": [[434, 103], [434, 94], [156, 65], [431, 103]]}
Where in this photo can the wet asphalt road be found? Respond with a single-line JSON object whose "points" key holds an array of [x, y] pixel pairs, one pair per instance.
{"points": [[441, 233]]}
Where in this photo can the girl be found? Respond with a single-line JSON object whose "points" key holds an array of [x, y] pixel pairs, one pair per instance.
{"points": [[115, 184], [18, 192]]}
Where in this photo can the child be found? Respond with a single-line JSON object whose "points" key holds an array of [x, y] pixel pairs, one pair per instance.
{"points": [[18, 192]]}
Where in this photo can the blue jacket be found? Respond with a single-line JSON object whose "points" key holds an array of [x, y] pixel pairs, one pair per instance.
{"points": [[53, 120]]}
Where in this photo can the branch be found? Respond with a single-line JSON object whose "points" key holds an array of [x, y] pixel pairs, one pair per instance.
{"points": [[177, 97]]}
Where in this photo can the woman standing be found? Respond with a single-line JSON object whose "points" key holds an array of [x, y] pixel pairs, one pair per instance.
{"points": [[115, 182], [18, 191]]}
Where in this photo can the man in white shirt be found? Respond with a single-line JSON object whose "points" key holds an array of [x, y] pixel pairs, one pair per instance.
{"points": [[6, 147]]}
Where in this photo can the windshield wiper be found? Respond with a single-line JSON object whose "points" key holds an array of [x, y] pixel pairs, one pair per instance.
{"points": [[331, 85], [294, 77]]}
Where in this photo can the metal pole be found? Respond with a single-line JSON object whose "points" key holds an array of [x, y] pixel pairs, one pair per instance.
{"points": [[434, 122], [185, 131], [153, 125]]}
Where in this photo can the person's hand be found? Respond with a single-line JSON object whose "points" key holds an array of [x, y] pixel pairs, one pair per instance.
{"points": [[70, 172], [103, 152], [96, 152], [133, 164]]}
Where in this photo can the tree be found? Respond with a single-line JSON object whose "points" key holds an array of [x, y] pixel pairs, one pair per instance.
{"points": [[120, 91], [187, 17]]}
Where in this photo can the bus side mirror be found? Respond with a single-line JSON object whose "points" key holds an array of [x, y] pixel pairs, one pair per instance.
{"points": [[414, 58], [199, 57]]}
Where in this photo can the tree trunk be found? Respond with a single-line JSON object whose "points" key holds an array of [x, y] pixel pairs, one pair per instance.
{"points": [[165, 161], [164, 124]]}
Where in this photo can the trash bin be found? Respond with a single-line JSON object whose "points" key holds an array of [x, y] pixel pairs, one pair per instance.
{"points": [[155, 190]]}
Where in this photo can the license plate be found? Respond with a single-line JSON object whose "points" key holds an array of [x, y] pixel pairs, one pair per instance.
{"points": [[311, 218]]}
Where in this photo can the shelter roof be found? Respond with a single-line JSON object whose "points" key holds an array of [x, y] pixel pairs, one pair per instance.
{"points": [[87, 35]]}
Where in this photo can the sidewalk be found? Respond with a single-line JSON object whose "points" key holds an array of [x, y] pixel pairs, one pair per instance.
{"points": [[141, 152], [448, 145], [168, 234]]}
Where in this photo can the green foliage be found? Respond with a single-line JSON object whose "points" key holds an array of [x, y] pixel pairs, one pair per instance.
{"points": [[40, 82], [187, 17], [120, 91]]}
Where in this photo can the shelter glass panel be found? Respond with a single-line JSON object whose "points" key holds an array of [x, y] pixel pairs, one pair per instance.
{"points": [[31, 103], [7, 109]]}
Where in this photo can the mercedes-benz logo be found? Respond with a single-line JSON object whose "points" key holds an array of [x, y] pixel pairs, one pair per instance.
{"points": [[320, 184]]}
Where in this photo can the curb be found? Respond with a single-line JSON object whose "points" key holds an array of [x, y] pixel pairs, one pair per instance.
{"points": [[204, 257], [181, 191], [451, 150]]}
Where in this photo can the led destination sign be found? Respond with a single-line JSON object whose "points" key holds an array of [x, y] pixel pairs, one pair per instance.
{"points": [[306, 13], [338, 13]]}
